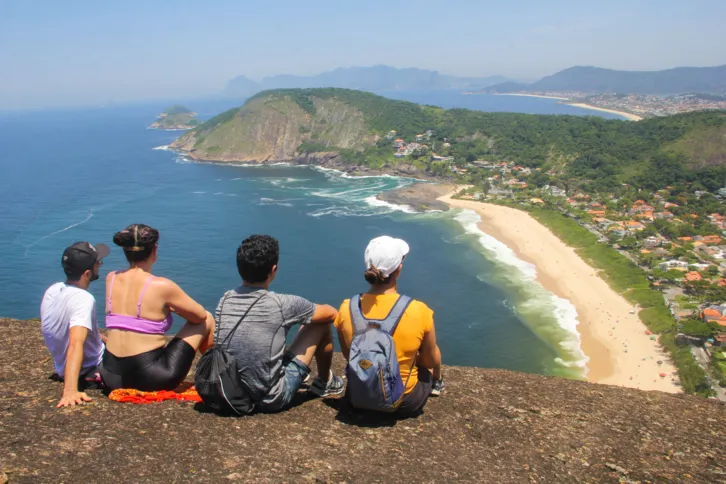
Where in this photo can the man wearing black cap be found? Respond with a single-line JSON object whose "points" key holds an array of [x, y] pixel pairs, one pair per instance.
{"points": [[68, 321]]}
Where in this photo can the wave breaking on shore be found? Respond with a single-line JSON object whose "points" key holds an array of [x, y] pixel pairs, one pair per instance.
{"points": [[553, 319]]}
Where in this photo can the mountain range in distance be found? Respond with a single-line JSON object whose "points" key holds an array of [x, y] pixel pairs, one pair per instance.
{"points": [[587, 79], [374, 78], [581, 79]]}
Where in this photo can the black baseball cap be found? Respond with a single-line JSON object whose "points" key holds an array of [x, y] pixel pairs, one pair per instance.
{"points": [[81, 256]]}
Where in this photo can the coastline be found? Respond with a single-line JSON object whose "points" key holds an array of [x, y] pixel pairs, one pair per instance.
{"points": [[628, 116], [532, 95], [620, 351]]}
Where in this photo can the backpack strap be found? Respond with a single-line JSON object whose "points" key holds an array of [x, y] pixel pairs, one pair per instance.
{"points": [[390, 322], [221, 312], [360, 323], [387, 324]]}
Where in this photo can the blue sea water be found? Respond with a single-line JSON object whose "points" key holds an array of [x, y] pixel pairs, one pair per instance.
{"points": [[84, 174]]}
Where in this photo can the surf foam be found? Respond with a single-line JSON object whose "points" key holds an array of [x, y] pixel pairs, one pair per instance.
{"points": [[538, 300]]}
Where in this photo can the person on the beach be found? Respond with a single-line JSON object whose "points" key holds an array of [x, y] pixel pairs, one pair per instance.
{"points": [[139, 309], [419, 357], [68, 322], [272, 371]]}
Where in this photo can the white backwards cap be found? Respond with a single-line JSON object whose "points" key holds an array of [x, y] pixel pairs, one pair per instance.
{"points": [[385, 254]]}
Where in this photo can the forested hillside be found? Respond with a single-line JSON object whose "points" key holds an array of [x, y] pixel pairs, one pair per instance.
{"points": [[652, 153]]}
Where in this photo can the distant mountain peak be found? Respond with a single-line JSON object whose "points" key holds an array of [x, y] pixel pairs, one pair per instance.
{"points": [[593, 79], [378, 77]]}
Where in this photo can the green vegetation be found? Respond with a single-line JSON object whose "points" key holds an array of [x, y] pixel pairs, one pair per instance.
{"points": [[381, 114], [683, 301], [177, 109], [212, 123], [631, 281], [176, 117], [697, 328], [589, 152]]}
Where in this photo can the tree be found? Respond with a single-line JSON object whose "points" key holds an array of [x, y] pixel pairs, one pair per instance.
{"points": [[628, 242], [694, 327]]}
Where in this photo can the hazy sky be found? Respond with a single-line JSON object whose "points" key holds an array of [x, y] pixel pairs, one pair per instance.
{"points": [[84, 52]]}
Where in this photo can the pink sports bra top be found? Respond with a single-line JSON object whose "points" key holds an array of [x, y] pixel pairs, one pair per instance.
{"points": [[136, 324]]}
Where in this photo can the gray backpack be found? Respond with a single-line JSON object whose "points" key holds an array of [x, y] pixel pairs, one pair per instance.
{"points": [[374, 377]]}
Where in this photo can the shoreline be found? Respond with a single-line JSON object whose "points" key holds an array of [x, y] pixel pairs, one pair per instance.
{"points": [[620, 351], [628, 116], [533, 95], [624, 114]]}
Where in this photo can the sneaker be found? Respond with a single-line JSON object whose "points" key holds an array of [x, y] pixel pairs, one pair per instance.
{"points": [[334, 386], [438, 388]]}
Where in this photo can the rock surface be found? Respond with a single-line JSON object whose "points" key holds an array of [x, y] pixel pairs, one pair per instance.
{"points": [[489, 426], [419, 196], [271, 129]]}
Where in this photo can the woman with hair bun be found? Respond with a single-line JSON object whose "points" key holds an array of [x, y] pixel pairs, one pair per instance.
{"points": [[139, 309], [414, 334]]}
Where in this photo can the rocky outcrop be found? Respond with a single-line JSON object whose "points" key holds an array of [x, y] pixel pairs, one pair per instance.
{"points": [[421, 197], [271, 128], [489, 426], [174, 121]]}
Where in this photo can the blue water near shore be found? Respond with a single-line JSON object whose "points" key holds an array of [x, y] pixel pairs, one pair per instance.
{"points": [[84, 174]]}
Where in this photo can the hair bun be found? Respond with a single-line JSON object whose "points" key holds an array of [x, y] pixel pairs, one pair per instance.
{"points": [[124, 238]]}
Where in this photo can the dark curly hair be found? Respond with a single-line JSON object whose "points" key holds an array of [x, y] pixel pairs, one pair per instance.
{"points": [[256, 256], [137, 241]]}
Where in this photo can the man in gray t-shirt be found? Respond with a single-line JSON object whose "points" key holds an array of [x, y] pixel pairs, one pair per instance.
{"points": [[273, 372]]}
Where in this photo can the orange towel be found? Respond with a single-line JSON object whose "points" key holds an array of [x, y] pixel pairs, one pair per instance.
{"points": [[129, 395]]}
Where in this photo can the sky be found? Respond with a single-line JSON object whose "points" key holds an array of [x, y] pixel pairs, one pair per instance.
{"points": [[65, 53]]}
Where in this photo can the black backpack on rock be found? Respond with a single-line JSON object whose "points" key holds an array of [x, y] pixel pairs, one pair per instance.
{"points": [[217, 380]]}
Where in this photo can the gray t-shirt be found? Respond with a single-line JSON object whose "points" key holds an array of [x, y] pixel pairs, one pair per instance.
{"points": [[258, 345]]}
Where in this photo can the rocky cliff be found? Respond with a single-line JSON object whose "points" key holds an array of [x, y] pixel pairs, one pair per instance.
{"points": [[489, 426], [272, 126]]}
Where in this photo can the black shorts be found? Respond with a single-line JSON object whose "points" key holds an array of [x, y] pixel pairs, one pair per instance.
{"points": [[414, 401], [160, 369]]}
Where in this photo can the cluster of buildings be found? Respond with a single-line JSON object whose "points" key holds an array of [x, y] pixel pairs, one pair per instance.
{"points": [[644, 105], [648, 105], [418, 147]]}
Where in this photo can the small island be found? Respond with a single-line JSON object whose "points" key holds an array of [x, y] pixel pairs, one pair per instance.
{"points": [[175, 117]]}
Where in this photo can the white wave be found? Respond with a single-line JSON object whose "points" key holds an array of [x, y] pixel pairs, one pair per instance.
{"points": [[161, 148], [281, 204], [326, 170], [469, 220], [539, 299], [36, 242], [375, 202], [335, 193], [342, 174], [345, 211], [263, 199], [199, 193]]}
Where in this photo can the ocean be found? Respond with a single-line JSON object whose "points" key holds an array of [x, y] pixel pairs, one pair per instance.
{"points": [[84, 174]]}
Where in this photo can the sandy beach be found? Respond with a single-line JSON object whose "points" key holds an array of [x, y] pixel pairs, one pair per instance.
{"points": [[534, 95], [629, 116], [620, 351]]}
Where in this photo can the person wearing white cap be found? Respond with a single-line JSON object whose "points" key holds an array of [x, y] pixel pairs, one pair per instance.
{"points": [[414, 336]]}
